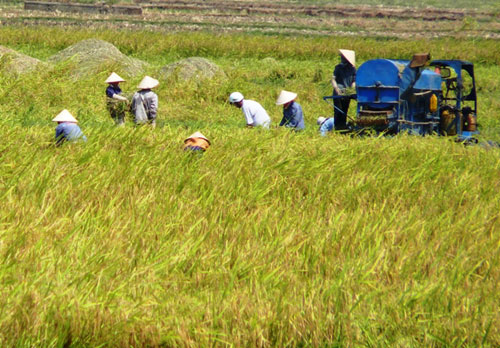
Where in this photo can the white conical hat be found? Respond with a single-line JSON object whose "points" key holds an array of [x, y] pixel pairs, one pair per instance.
{"points": [[64, 116], [320, 120], [235, 97], [114, 77], [285, 97], [148, 82], [197, 135], [349, 55]]}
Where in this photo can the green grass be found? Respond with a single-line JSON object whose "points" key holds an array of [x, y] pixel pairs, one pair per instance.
{"points": [[270, 238]]}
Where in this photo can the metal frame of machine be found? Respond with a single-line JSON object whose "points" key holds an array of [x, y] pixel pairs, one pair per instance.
{"points": [[396, 96]]}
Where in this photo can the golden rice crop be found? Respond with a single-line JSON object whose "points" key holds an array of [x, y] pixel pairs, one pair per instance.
{"points": [[271, 238]]}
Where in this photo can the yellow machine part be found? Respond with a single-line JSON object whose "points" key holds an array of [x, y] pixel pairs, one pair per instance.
{"points": [[433, 103], [447, 122]]}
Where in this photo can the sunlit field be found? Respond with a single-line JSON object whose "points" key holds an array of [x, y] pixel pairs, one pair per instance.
{"points": [[270, 238]]}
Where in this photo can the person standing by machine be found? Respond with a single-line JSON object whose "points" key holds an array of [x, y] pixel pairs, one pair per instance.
{"points": [[344, 77]]}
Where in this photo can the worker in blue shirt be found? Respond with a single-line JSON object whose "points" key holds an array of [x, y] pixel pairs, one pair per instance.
{"points": [[325, 124], [67, 128], [344, 77], [293, 117], [115, 102]]}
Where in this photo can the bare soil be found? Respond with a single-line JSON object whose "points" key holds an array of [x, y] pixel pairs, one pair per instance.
{"points": [[276, 8]]}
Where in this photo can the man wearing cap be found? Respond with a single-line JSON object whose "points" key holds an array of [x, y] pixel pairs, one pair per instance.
{"points": [[325, 124], [145, 102], [115, 102], [344, 76], [196, 142], [67, 128], [293, 117], [254, 113]]}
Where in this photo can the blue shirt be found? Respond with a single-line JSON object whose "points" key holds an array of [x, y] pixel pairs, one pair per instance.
{"points": [[345, 75], [327, 126], [293, 117], [68, 131], [113, 89]]}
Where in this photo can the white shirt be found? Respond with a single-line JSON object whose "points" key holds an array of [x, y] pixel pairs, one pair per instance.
{"points": [[255, 113]]}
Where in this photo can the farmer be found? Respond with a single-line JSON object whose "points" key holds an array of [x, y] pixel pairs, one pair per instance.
{"points": [[115, 102], [254, 113], [145, 102], [293, 116], [67, 128], [344, 76], [325, 124], [196, 142]]}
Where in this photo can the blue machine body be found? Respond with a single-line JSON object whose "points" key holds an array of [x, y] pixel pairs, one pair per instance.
{"points": [[393, 97]]}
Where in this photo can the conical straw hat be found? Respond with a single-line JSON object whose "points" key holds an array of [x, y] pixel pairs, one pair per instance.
{"points": [[148, 83], [196, 135], [64, 116], [349, 55], [285, 97], [320, 120], [114, 77]]}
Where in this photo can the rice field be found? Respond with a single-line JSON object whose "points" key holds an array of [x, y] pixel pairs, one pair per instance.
{"points": [[269, 239]]}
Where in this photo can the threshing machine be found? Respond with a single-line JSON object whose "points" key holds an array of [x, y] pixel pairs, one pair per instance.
{"points": [[418, 96]]}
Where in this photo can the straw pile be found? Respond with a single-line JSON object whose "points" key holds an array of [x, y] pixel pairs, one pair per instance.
{"points": [[93, 55], [191, 68], [13, 62]]}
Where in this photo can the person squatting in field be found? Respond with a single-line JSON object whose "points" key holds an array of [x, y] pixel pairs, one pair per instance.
{"points": [[344, 76], [325, 124], [196, 142], [255, 114], [67, 128], [144, 104], [293, 117], [115, 102]]}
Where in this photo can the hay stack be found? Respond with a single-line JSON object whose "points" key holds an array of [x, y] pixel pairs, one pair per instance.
{"points": [[191, 68], [13, 62], [92, 56]]}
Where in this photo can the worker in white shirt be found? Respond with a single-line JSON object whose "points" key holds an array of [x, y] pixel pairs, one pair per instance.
{"points": [[255, 114]]}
